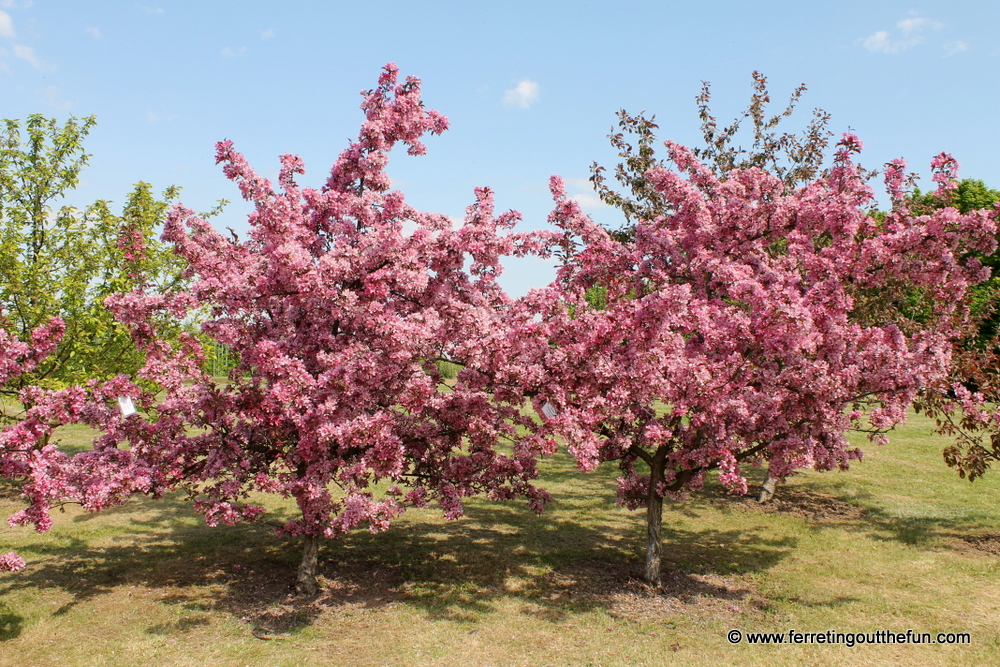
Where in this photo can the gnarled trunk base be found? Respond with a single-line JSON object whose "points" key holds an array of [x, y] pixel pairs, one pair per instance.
{"points": [[306, 582], [767, 489]]}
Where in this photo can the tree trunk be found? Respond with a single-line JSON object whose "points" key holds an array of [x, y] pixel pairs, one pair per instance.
{"points": [[654, 520], [767, 489], [306, 583]]}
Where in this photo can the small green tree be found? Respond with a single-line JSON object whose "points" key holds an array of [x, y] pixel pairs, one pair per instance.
{"points": [[58, 261]]}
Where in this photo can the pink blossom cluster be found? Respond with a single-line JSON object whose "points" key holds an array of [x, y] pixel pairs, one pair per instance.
{"points": [[18, 357], [11, 562]]}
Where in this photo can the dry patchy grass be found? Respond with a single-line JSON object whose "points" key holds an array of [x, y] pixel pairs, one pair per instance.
{"points": [[897, 543]]}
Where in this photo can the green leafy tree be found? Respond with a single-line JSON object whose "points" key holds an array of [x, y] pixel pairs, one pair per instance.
{"points": [[58, 261], [971, 194]]}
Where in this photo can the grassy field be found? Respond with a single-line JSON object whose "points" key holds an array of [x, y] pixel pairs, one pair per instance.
{"points": [[897, 543]]}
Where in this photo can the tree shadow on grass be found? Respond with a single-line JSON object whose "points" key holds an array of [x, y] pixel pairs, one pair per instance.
{"points": [[853, 510], [11, 623], [551, 565], [459, 571]]}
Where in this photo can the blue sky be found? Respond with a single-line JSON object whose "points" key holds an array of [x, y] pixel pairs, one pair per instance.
{"points": [[531, 88]]}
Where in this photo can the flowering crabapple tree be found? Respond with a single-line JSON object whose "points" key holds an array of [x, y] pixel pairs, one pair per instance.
{"points": [[731, 330], [338, 307], [17, 358], [795, 158], [30, 457], [966, 405]]}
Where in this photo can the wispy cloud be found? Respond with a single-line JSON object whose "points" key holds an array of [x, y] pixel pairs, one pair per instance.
{"points": [[267, 34], [951, 48], [522, 96], [150, 10], [910, 33], [54, 99], [918, 24], [586, 197], [27, 54], [882, 42], [93, 32], [233, 53], [6, 25]]}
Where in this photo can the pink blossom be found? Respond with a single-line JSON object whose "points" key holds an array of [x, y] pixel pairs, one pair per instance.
{"points": [[945, 169], [11, 562]]}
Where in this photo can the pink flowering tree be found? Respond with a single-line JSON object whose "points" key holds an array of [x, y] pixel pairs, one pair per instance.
{"points": [[740, 327], [29, 455], [16, 451], [338, 307]]}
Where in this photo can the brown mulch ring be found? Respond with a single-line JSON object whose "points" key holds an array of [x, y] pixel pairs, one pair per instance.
{"points": [[626, 596], [266, 600], [794, 501], [988, 544]]}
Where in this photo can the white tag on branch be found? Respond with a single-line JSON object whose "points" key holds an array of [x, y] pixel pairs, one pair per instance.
{"points": [[549, 410], [126, 405]]}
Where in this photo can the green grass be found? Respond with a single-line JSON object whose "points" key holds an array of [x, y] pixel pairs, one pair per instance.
{"points": [[898, 542]]}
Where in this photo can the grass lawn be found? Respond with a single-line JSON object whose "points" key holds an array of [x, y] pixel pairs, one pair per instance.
{"points": [[897, 543]]}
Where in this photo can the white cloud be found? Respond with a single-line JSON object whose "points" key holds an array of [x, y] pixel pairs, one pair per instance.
{"points": [[93, 32], [523, 96], [952, 48], [911, 34], [28, 54], [234, 53], [587, 199], [151, 10], [6, 25], [267, 34], [880, 42], [918, 24]]}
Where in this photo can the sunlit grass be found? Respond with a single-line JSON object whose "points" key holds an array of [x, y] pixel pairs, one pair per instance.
{"points": [[898, 542]]}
